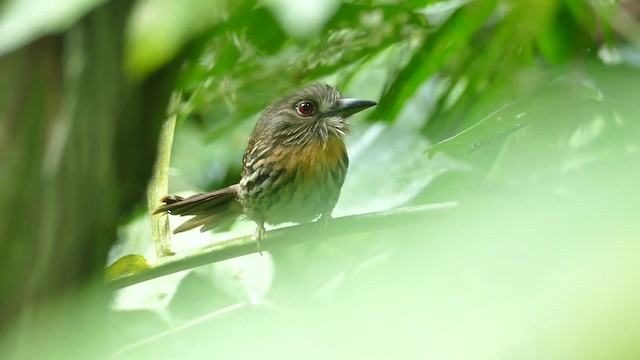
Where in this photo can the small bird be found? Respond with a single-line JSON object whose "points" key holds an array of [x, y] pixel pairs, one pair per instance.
{"points": [[292, 171]]}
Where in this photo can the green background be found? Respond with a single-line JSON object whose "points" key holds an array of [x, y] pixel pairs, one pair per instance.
{"points": [[508, 128]]}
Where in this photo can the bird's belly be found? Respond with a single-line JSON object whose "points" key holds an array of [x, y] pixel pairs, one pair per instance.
{"points": [[299, 201], [299, 188]]}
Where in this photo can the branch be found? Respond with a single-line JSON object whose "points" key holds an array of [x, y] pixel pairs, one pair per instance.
{"points": [[159, 182], [244, 245]]}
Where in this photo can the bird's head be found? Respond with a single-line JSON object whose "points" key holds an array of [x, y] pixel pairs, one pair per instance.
{"points": [[316, 112]]}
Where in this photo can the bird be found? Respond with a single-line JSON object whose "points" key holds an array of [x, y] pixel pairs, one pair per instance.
{"points": [[292, 170]]}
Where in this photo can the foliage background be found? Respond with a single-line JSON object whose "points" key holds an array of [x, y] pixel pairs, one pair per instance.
{"points": [[523, 114]]}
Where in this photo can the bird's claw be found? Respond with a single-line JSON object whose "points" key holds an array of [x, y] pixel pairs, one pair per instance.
{"points": [[260, 235]]}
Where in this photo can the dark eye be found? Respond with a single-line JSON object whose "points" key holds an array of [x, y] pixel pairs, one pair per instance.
{"points": [[305, 108]]}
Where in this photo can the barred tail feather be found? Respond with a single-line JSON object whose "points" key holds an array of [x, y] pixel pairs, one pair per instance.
{"points": [[210, 209]]}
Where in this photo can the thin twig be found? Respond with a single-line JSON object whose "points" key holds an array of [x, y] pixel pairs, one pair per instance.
{"points": [[187, 325]]}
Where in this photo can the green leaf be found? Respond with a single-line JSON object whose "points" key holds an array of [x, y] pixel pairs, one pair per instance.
{"points": [[159, 29], [495, 126], [126, 265], [558, 98], [437, 51]]}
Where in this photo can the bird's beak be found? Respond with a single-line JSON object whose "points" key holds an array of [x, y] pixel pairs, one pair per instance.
{"points": [[348, 107]]}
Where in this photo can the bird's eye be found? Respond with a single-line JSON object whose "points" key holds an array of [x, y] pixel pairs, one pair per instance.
{"points": [[305, 108]]}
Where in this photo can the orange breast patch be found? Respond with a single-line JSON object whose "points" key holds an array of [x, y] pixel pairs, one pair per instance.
{"points": [[313, 157]]}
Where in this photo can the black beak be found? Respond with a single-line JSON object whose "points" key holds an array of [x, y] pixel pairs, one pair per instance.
{"points": [[348, 107]]}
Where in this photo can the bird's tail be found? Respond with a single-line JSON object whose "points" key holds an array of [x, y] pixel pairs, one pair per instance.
{"points": [[210, 209]]}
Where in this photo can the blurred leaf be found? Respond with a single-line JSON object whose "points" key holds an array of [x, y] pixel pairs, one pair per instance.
{"points": [[268, 42], [558, 99], [563, 38], [302, 19], [357, 34], [158, 30], [435, 52], [405, 173], [23, 21], [240, 68], [486, 131]]}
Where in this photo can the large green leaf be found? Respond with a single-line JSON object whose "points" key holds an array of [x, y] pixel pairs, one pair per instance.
{"points": [[436, 51], [159, 29]]}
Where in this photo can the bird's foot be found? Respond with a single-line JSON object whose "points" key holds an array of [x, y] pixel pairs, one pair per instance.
{"points": [[324, 222], [261, 233]]}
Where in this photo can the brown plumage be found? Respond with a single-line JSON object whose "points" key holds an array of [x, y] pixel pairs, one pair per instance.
{"points": [[292, 171]]}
